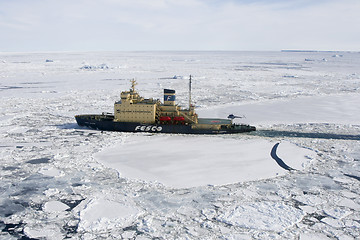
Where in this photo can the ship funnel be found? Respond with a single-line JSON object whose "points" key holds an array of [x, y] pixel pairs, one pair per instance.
{"points": [[169, 97]]}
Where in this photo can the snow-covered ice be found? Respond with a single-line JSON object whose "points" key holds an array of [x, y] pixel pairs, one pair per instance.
{"points": [[192, 161], [335, 108], [268, 216], [60, 180], [55, 206], [101, 214]]}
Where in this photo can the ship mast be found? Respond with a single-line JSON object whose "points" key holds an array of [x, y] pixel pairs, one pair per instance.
{"points": [[133, 83], [190, 92]]}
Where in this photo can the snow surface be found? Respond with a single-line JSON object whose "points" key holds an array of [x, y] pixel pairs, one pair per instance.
{"points": [[60, 180], [55, 206], [101, 213], [339, 109], [192, 161]]}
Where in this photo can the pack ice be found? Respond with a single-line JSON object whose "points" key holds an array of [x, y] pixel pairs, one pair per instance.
{"points": [[59, 180]]}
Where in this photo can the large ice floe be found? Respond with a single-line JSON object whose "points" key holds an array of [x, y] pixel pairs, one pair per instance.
{"points": [[192, 161], [101, 214], [296, 177]]}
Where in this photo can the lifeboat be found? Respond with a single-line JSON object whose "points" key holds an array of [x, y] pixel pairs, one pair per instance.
{"points": [[179, 119], [165, 119]]}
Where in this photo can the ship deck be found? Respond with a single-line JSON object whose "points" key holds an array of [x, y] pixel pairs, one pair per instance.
{"points": [[214, 121]]}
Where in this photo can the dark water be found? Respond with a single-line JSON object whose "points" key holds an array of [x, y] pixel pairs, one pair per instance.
{"points": [[353, 176], [39, 160], [15, 230], [279, 160], [293, 134]]}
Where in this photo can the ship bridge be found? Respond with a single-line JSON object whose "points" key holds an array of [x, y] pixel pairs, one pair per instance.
{"points": [[134, 108]]}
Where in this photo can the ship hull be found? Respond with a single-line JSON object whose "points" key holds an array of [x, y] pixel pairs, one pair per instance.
{"points": [[107, 123]]}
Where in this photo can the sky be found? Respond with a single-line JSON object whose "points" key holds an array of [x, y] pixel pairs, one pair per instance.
{"points": [[180, 25]]}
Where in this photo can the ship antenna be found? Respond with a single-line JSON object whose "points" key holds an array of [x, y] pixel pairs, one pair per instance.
{"points": [[190, 92]]}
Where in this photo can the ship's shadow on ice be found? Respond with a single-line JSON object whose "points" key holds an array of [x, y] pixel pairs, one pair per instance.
{"points": [[70, 126]]}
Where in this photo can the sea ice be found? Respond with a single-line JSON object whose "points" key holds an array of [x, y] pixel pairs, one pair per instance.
{"points": [[51, 172], [339, 109], [269, 216], [100, 214], [59, 180], [55, 206], [183, 161], [50, 231], [312, 236]]}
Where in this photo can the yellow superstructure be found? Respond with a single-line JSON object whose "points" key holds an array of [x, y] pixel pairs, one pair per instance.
{"points": [[140, 112], [134, 108]]}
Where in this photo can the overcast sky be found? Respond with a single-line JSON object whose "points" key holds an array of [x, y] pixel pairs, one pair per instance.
{"points": [[112, 25]]}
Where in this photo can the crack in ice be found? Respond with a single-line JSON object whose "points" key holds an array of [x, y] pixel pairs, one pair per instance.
{"points": [[279, 160]]}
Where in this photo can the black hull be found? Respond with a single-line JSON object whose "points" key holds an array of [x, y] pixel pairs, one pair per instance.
{"points": [[107, 123]]}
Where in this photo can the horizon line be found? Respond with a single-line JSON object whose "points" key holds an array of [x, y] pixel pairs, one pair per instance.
{"points": [[92, 51]]}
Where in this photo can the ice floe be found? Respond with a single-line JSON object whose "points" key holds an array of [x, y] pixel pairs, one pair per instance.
{"points": [[101, 214], [182, 161], [55, 206], [269, 216]]}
